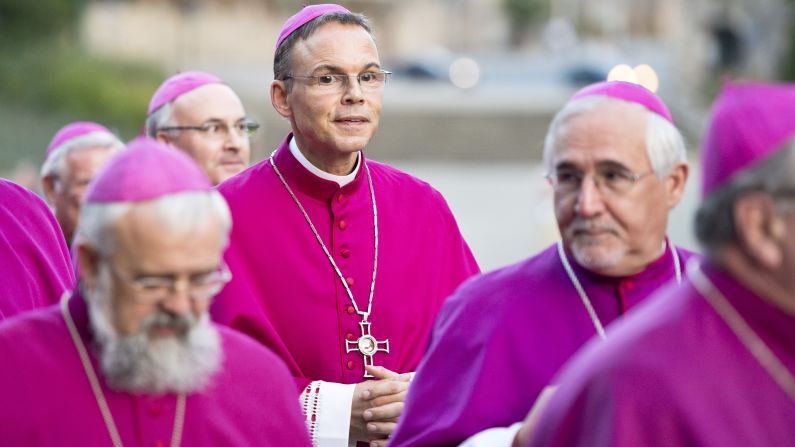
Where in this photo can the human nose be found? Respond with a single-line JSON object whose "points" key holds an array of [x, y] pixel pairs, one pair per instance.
{"points": [[590, 200], [352, 90], [179, 300]]}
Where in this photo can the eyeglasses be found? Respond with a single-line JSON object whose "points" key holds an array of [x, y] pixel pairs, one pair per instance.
{"points": [[369, 80], [218, 129], [153, 289], [609, 180]]}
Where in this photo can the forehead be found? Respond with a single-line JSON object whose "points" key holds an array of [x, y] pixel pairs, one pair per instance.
{"points": [[143, 241], [612, 131], [335, 44], [208, 102]]}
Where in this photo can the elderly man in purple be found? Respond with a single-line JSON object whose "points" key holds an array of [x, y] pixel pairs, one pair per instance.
{"points": [[132, 358], [74, 156], [340, 262], [711, 363], [201, 115], [616, 163], [34, 261]]}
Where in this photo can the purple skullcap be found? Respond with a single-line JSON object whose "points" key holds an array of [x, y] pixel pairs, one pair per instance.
{"points": [[147, 170], [72, 131], [177, 85], [627, 91], [307, 14], [750, 121]]}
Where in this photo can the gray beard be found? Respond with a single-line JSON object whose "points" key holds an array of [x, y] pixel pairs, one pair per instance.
{"points": [[184, 363]]}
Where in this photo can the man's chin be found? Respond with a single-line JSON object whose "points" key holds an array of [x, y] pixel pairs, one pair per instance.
{"points": [[598, 258]]}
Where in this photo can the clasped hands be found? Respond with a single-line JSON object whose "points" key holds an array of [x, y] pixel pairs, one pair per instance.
{"points": [[377, 404]]}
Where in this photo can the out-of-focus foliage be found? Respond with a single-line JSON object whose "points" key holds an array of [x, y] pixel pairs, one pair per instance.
{"points": [[45, 69], [28, 20], [522, 14]]}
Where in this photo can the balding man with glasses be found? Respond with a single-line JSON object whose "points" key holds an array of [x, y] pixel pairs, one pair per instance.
{"points": [[198, 113], [616, 164], [340, 264], [131, 357]]}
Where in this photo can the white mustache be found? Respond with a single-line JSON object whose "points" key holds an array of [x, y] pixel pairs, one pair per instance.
{"points": [[591, 225]]}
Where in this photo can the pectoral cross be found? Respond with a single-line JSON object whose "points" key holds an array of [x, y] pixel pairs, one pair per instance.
{"points": [[367, 345]]}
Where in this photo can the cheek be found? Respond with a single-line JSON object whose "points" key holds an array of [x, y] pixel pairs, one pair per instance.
{"points": [[564, 210], [127, 318]]}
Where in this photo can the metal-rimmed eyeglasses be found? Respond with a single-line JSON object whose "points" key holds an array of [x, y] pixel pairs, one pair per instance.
{"points": [[151, 289], [219, 129], [368, 80], [609, 180]]}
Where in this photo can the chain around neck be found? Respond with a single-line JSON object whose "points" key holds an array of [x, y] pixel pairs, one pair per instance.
{"points": [[742, 330], [99, 396], [597, 323], [366, 313]]}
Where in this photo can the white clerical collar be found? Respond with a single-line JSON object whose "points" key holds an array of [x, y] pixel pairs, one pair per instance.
{"points": [[341, 180]]}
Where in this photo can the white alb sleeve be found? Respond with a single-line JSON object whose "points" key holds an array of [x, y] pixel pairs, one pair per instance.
{"points": [[493, 437], [327, 409]]}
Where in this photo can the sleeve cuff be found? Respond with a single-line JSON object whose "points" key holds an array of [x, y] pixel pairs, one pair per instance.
{"points": [[493, 437], [327, 409]]}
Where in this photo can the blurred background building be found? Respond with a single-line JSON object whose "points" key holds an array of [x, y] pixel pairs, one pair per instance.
{"points": [[476, 81]]}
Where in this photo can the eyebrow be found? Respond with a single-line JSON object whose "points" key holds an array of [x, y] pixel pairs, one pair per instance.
{"points": [[219, 120], [599, 165], [336, 69]]}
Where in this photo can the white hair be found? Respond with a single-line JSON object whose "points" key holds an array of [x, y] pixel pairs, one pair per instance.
{"points": [[179, 211], [55, 163], [665, 146], [162, 117]]}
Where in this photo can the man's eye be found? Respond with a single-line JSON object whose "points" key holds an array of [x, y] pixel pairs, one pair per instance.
{"points": [[212, 128], [615, 176], [567, 177], [153, 283], [367, 77], [325, 79]]}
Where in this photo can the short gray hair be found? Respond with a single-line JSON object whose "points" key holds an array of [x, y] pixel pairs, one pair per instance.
{"points": [[665, 146], [162, 117], [714, 220], [55, 163], [185, 210], [281, 58]]}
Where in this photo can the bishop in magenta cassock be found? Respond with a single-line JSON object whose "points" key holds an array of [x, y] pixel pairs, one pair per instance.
{"points": [[34, 261], [338, 261], [132, 358], [711, 363], [501, 338]]}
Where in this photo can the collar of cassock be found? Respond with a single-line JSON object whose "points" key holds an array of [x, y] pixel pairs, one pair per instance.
{"points": [[300, 178]]}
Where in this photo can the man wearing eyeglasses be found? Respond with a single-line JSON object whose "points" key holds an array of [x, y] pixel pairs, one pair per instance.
{"points": [[616, 164], [198, 113], [340, 263], [711, 363], [131, 358]]}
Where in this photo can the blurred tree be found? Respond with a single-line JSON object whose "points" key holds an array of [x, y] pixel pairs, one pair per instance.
{"points": [[522, 15], [788, 64], [28, 20]]}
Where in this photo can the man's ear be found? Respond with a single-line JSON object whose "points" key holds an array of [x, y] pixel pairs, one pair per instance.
{"points": [[88, 258], [279, 98], [162, 137], [675, 184], [759, 229], [48, 186]]}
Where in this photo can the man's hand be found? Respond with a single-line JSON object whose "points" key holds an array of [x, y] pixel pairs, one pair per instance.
{"points": [[524, 434], [377, 405]]}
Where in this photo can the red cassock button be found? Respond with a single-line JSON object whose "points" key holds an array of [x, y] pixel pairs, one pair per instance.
{"points": [[629, 286], [350, 364], [341, 198], [350, 336], [159, 444], [342, 225], [349, 280], [345, 253], [350, 309], [155, 410]]}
